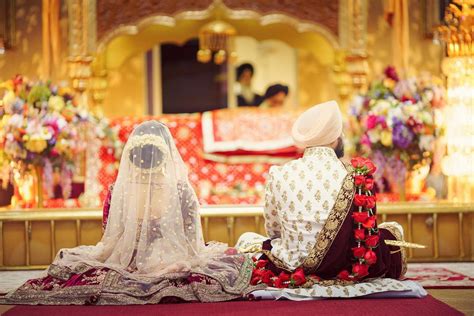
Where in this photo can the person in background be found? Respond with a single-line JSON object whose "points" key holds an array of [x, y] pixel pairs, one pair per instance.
{"points": [[275, 96], [243, 90]]}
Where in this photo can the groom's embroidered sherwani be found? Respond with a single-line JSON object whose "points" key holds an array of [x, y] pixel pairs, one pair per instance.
{"points": [[299, 197], [309, 218]]}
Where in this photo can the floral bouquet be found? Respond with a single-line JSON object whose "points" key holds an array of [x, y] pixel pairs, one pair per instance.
{"points": [[394, 124], [41, 126]]}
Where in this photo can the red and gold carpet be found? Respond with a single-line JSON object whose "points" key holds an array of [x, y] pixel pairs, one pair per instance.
{"points": [[442, 275]]}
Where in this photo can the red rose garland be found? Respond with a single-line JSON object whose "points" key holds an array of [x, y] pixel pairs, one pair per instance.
{"points": [[365, 233], [260, 275], [365, 221]]}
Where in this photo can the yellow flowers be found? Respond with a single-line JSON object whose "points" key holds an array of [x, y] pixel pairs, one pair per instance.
{"points": [[56, 103], [36, 144], [8, 98], [386, 138]]}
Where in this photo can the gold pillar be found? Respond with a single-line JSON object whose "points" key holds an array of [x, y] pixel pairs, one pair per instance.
{"points": [[82, 44], [353, 38]]}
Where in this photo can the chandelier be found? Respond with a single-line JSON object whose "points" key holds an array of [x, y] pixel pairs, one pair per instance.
{"points": [[216, 38]]}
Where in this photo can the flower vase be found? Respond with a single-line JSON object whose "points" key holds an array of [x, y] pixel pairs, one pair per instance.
{"points": [[24, 181]]}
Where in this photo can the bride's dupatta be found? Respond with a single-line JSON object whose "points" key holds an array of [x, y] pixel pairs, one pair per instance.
{"points": [[152, 247]]}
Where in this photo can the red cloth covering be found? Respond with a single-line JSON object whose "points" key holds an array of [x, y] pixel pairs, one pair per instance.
{"points": [[61, 203], [249, 131], [214, 182], [386, 307]]}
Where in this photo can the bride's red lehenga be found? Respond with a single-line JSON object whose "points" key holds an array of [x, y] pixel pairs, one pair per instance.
{"points": [[152, 250]]}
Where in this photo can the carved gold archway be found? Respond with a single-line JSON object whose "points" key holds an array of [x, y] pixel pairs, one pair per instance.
{"points": [[91, 60]]}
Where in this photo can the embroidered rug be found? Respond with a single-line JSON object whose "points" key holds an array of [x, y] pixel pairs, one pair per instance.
{"points": [[442, 275], [387, 307]]}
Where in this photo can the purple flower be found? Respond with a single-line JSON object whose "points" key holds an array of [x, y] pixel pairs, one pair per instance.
{"points": [[391, 73], [402, 136]]}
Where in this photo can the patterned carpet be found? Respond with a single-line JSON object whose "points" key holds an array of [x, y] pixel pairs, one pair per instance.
{"points": [[429, 275], [443, 275]]}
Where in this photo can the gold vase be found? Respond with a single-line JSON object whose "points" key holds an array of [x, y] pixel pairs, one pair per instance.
{"points": [[28, 185]]}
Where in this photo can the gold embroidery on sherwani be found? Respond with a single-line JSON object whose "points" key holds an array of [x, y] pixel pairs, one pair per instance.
{"points": [[300, 196], [318, 195], [333, 223]]}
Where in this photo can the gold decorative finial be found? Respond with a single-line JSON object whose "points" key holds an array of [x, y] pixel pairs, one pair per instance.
{"points": [[458, 29]]}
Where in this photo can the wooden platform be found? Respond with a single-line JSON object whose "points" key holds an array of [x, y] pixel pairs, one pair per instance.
{"points": [[30, 239]]}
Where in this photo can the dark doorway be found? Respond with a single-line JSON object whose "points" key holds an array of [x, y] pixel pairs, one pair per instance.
{"points": [[190, 86]]}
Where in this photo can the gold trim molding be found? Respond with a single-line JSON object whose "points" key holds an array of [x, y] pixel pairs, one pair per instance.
{"points": [[219, 9]]}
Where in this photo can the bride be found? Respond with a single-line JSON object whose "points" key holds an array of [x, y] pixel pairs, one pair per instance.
{"points": [[152, 248]]}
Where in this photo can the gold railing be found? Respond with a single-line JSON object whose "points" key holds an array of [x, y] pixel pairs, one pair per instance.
{"points": [[446, 228]]}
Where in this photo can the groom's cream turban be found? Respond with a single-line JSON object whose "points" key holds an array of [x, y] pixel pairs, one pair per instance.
{"points": [[318, 126]]}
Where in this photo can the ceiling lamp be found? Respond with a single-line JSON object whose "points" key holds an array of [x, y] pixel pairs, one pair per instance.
{"points": [[216, 38]]}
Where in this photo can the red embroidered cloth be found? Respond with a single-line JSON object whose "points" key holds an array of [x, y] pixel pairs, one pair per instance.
{"points": [[249, 131], [214, 182]]}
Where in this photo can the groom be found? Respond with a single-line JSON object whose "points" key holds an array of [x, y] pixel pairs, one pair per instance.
{"points": [[320, 214]]}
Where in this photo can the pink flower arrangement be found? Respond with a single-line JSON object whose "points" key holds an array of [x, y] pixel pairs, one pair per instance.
{"points": [[41, 125], [395, 120]]}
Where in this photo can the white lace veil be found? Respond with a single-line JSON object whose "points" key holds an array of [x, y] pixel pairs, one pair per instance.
{"points": [[154, 225]]}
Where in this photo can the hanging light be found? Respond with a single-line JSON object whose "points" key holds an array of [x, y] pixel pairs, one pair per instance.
{"points": [[216, 38]]}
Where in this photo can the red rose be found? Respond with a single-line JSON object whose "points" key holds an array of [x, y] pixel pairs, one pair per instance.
{"points": [[255, 281], [370, 201], [360, 269], [359, 180], [370, 166], [370, 257], [359, 234], [254, 259], [344, 275], [370, 222], [359, 200], [357, 162], [369, 184], [298, 277], [261, 264], [358, 252], [282, 280], [372, 241], [257, 273], [360, 217], [267, 277]]}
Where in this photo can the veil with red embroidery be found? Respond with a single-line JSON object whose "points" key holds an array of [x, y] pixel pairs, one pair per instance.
{"points": [[154, 225]]}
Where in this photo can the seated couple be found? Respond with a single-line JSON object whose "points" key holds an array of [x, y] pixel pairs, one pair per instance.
{"points": [[320, 217]]}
